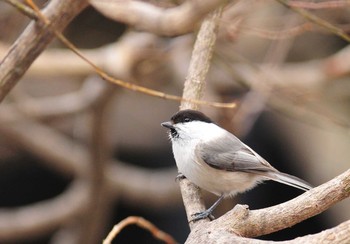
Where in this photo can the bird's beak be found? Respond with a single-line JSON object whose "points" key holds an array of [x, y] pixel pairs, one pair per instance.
{"points": [[168, 125]]}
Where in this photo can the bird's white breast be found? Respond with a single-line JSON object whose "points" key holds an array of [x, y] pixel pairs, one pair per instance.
{"points": [[197, 171]]}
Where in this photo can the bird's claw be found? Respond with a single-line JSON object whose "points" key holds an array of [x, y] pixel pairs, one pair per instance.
{"points": [[202, 215], [180, 176]]}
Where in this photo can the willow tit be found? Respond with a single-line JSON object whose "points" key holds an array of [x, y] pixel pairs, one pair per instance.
{"points": [[217, 161]]}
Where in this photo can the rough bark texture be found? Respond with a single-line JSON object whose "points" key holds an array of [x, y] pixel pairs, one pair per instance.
{"points": [[193, 89], [240, 223], [34, 40]]}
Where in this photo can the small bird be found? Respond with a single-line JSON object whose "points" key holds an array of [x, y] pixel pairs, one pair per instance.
{"points": [[217, 161]]}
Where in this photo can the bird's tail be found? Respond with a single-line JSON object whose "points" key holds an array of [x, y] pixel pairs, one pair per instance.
{"points": [[289, 180]]}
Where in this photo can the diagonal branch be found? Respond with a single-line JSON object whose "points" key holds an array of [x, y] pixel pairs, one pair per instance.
{"points": [[317, 20], [70, 158], [39, 218], [241, 222], [104, 75], [34, 40], [287, 214]]}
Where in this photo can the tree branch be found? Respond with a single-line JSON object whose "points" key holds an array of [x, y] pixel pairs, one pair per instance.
{"points": [[193, 89], [34, 40], [70, 158], [339, 234], [144, 16], [39, 218], [241, 222]]}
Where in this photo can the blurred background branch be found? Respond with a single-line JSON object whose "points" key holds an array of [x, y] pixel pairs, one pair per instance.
{"points": [[101, 148]]}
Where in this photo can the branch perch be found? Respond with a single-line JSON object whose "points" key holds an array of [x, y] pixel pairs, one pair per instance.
{"points": [[241, 222], [193, 89]]}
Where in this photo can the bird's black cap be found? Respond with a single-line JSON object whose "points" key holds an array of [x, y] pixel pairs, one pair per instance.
{"points": [[188, 115]]}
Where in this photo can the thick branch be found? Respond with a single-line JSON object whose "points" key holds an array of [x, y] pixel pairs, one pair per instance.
{"points": [[39, 218], [241, 222], [311, 203], [144, 16], [152, 187], [34, 40], [337, 235], [100, 203]]}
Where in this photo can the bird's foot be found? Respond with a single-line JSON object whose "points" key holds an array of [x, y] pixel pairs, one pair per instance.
{"points": [[202, 215], [180, 176]]}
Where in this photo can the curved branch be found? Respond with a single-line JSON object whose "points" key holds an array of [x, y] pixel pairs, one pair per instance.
{"points": [[62, 105], [40, 218], [287, 214], [240, 222], [154, 187], [335, 235], [144, 16], [339, 234]]}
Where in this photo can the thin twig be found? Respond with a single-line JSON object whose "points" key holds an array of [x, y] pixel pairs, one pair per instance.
{"points": [[33, 40], [22, 8], [141, 222], [286, 33], [317, 20], [320, 5], [121, 83]]}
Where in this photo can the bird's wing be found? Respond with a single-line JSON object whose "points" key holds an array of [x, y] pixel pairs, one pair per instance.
{"points": [[234, 155]]}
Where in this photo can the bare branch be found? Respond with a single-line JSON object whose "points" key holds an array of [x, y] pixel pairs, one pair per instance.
{"points": [[319, 5], [56, 150], [157, 233], [335, 235], [62, 105], [193, 89], [241, 222], [294, 211], [144, 16], [100, 204], [71, 158], [154, 188], [22, 8], [318, 21], [34, 40], [39, 218]]}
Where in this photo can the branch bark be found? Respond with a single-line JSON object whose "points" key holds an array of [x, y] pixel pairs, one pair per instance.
{"points": [[34, 40], [144, 16], [100, 203], [70, 158], [193, 89], [39, 218], [240, 223]]}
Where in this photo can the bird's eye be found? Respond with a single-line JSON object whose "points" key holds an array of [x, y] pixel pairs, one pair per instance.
{"points": [[187, 120]]}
